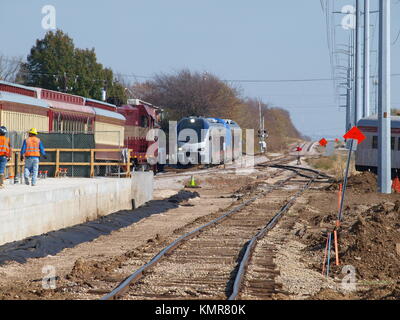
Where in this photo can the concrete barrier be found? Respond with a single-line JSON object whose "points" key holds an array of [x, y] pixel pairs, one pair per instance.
{"points": [[55, 204]]}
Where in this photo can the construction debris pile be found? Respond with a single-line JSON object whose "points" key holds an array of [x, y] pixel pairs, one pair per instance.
{"points": [[369, 239]]}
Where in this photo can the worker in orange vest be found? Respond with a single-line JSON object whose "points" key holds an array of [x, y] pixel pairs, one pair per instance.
{"points": [[298, 149], [32, 148], [5, 153]]}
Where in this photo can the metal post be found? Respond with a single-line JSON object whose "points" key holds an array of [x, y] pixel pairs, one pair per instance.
{"points": [[16, 169], [366, 111], [376, 82], [353, 78], [384, 126], [72, 155], [346, 174], [348, 99], [358, 91]]}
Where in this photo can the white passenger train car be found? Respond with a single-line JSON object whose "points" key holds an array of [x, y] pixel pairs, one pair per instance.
{"points": [[367, 151]]}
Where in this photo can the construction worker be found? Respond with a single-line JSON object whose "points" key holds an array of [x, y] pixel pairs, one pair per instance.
{"points": [[298, 149], [5, 153], [32, 148]]}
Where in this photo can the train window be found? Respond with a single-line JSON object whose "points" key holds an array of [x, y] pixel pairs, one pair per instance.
{"points": [[398, 146], [375, 142], [144, 122], [392, 142]]}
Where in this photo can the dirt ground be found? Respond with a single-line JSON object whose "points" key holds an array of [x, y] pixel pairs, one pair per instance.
{"points": [[369, 239], [167, 217], [369, 242]]}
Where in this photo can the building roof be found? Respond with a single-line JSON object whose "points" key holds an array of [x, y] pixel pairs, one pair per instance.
{"points": [[69, 107], [17, 98], [372, 121], [101, 102], [17, 85], [108, 114]]}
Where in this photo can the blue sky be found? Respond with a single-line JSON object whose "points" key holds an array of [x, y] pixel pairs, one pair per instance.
{"points": [[256, 39]]}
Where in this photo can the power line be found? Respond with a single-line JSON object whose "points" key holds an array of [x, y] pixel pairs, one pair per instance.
{"points": [[224, 80], [397, 38]]}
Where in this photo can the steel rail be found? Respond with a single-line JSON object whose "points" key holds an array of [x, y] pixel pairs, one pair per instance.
{"points": [[252, 242], [294, 168], [310, 146], [124, 285], [216, 168]]}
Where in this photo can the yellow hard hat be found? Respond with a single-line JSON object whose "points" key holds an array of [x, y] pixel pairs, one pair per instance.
{"points": [[33, 131]]}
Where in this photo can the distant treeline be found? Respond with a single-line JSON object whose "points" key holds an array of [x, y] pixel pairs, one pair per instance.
{"points": [[187, 93], [55, 63]]}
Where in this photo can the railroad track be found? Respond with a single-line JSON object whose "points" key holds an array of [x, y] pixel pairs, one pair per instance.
{"points": [[211, 261], [197, 169], [310, 146]]}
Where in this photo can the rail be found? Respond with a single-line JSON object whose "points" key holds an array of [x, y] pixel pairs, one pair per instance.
{"points": [[238, 282], [15, 160], [123, 287]]}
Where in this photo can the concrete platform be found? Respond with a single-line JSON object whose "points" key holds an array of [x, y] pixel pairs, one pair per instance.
{"points": [[57, 203]]}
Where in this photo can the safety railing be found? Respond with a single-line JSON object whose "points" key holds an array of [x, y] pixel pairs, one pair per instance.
{"points": [[59, 171]]}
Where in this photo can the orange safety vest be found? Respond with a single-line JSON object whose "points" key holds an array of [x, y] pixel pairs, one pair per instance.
{"points": [[5, 149], [32, 147]]}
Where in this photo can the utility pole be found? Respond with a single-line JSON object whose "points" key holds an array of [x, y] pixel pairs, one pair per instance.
{"points": [[65, 82], [350, 117], [366, 110], [348, 98], [353, 78], [384, 120], [261, 131], [358, 92]]}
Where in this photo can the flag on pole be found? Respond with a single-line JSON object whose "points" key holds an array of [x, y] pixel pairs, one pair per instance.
{"points": [[355, 134]]}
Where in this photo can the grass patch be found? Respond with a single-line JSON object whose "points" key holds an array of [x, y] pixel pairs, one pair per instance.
{"points": [[335, 165]]}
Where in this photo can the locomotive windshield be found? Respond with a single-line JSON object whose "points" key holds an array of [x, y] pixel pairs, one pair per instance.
{"points": [[197, 125]]}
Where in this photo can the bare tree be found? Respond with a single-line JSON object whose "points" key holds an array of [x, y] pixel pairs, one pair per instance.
{"points": [[189, 93], [9, 67], [126, 84]]}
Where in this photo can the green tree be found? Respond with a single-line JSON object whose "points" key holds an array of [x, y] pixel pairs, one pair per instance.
{"points": [[51, 62], [89, 81], [54, 63]]}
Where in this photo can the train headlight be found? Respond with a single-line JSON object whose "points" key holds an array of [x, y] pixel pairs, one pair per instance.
{"points": [[180, 149]]}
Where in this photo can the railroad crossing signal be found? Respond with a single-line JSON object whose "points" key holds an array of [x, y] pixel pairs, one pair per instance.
{"points": [[262, 134]]}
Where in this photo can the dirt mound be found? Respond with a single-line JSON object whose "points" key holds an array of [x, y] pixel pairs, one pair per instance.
{"points": [[369, 240], [365, 182], [372, 242], [382, 292], [329, 294]]}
